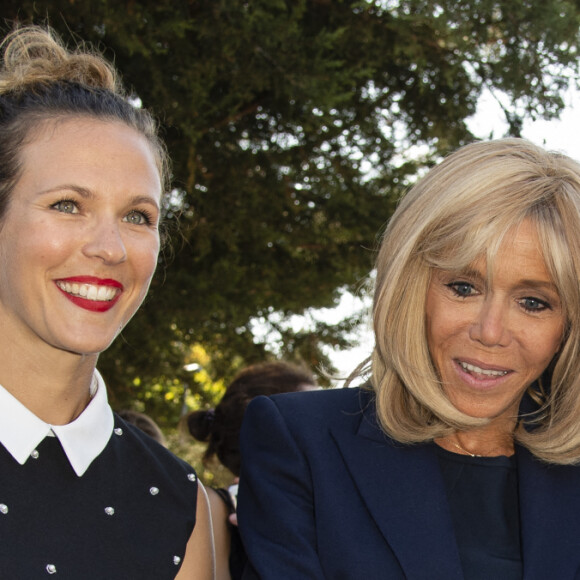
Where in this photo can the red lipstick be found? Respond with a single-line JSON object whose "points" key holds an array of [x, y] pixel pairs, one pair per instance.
{"points": [[91, 293]]}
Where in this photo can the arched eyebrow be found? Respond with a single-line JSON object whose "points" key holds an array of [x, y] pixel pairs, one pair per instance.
{"points": [[469, 272], [139, 199], [88, 194], [82, 191], [539, 284]]}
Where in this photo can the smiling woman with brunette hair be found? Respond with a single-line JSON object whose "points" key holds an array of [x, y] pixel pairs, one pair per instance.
{"points": [[83, 493], [460, 459]]}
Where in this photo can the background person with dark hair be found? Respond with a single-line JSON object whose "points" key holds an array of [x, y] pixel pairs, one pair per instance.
{"points": [[220, 428]]}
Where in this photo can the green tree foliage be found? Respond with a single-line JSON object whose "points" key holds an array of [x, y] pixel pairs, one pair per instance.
{"points": [[288, 121]]}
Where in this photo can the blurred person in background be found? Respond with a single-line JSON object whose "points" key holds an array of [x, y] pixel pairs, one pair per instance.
{"points": [[220, 429], [143, 422]]}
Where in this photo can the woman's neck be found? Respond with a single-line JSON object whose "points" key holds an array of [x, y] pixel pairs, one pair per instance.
{"points": [[54, 385], [483, 442]]}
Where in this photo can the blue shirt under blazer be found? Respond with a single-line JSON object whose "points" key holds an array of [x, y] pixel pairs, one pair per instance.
{"points": [[324, 493]]}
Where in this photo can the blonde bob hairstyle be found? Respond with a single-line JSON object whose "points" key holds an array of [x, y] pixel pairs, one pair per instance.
{"points": [[460, 211]]}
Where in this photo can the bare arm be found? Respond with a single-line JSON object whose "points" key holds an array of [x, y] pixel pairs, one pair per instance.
{"points": [[199, 561], [221, 535]]}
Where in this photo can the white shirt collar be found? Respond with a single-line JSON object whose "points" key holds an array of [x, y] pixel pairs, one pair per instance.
{"points": [[83, 440]]}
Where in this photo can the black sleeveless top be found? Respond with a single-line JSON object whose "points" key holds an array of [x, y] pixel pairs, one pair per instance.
{"points": [[129, 516], [483, 496]]}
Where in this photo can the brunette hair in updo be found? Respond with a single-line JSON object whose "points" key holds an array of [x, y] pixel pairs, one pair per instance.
{"points": [[41, 81], [220, 427]]}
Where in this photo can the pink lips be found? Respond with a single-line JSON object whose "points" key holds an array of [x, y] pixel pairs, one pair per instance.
{"points": [[94, 304], [481, 375]]}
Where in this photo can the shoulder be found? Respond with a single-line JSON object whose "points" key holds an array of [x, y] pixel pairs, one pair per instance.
{"points": [[217, 499], [145, 462], [141, 450], [328, 402], [219, 511], [311, 412]]}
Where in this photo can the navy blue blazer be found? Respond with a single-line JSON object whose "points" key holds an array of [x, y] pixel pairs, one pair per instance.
{"points": [[324, 493]]}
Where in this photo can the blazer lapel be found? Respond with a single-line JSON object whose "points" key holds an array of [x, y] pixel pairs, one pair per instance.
{"points": [[550, 518], [404, 492]]}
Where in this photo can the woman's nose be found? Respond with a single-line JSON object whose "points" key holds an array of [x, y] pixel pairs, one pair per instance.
{"points": [[106, 242], [491, 327]]}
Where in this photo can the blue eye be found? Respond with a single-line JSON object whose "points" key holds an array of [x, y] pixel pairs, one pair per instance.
{"points": [[66, 206], [532, 304], [461, 289]]}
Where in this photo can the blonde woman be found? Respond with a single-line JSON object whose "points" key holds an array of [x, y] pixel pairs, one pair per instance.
{"points": [[460, 458]]}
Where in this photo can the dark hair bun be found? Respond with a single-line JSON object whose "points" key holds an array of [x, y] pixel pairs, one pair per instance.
{"points": [[199, 424]]}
